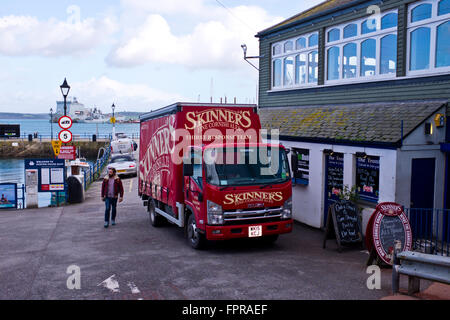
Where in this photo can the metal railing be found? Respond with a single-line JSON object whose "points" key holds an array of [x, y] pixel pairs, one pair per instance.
{"points": [[97, 167], [430, 230]]}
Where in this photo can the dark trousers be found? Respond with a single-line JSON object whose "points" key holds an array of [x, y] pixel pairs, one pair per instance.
{"points": [[110, 202]]}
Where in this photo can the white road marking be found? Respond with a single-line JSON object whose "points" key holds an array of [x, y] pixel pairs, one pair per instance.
{"points": [[131, 185], [134, 288], [111, 283]]}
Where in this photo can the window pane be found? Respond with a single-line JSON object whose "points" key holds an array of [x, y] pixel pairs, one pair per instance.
{"points": [[288, 71], [313, 40], [288, 46], [350, 30], [368, 57], [276, 72], [368, 26], [277, 49], [388, 63], [421, 12], [350, 60], [333, 63], [333, 35], [300, 68], [389, 21], [313, 58], [300, 43], [420, 49], [443, 45], [444, 7]]}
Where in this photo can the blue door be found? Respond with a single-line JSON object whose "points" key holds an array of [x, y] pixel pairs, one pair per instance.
{"points": [[334, 180], [422, 197]]}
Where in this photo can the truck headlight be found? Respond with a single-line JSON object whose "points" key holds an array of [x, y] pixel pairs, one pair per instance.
{"points": [[215, 213], [287, 209]]}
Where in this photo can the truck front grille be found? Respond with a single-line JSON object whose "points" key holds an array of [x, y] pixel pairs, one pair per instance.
{"points": [[250, 215]]}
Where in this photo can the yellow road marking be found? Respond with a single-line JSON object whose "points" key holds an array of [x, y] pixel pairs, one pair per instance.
{"points": [[131, 185]]}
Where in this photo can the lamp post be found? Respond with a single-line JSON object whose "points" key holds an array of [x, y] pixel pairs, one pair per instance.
{"points": [[65, 88], [244, 48], [51, 124], [114, 122]]}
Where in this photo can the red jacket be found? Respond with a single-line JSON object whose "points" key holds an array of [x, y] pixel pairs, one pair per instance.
{"points": [[118, 187]]}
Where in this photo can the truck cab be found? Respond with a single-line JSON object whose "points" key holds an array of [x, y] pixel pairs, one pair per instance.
{"points": [[238, 191]]}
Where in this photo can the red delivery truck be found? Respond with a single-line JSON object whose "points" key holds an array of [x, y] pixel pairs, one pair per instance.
{"points": [[205, 168]]}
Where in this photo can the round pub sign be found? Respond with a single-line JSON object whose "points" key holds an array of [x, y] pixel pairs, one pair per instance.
{"points": [[387, 225]]}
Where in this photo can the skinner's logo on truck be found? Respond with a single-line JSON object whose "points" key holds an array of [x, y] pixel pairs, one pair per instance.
{"points": [[230, 117], [239, 198]]}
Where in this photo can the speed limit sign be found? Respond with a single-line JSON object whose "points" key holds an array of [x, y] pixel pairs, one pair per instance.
{"points": [[65, 136]]}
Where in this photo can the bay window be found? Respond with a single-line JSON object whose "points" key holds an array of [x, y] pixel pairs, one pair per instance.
{"points": [[350, 60], [333, 63], [443, 45], [388, 54], [295, 62], [420, 49], [428, 37], [367, 50]]}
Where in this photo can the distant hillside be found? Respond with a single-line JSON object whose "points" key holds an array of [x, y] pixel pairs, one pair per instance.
{"points": [[9, 115]]}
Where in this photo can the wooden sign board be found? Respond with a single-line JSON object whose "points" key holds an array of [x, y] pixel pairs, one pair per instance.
{"points": [[387, 225], [344, 224]]}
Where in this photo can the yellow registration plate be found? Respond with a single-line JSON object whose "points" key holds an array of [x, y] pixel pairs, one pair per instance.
{"points": [[121, 171]]}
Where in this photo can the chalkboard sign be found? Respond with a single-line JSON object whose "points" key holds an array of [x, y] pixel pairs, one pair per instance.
{"points": [[367, 177], [387, 225], [343, 223], [335, 172]]}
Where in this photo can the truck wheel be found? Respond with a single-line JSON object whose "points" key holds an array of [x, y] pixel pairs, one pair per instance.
{"points": [[196, 239], [155, 218], [270, 239]]}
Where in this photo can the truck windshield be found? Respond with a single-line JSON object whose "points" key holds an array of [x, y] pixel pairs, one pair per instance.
{"points": [[246, 166]]}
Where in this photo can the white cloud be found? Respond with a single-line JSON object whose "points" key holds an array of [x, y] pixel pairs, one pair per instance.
{"points": [[167, 6], [214, 43], [25, 35], [126, 96]]}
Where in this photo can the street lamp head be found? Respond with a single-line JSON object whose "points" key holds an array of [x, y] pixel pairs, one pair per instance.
{"points": [[244, 48], [65, 88], [113, 106], [51, 110]]}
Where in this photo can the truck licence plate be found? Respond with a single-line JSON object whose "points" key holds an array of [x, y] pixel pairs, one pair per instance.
{"points": [[254, 231]]}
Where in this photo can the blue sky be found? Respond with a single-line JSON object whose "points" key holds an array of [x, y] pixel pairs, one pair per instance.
{"points": [[139, 54]]}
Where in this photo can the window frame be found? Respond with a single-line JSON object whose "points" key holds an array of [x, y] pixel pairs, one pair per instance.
{"points": [[358, 39], [433, 24], [294, 53]]}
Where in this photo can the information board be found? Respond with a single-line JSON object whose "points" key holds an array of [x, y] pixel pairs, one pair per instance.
{"points": [[300, 165], [9, 130], [51, 173]]}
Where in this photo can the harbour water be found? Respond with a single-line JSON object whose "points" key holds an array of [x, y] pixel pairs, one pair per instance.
{"points": [[43, 127], [13, 170]]}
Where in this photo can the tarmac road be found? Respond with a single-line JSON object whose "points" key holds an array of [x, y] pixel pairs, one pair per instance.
{"points": [[141, 262]]}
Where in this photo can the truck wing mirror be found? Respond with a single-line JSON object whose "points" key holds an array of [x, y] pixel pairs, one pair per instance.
{"points": [[188, 169]]}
